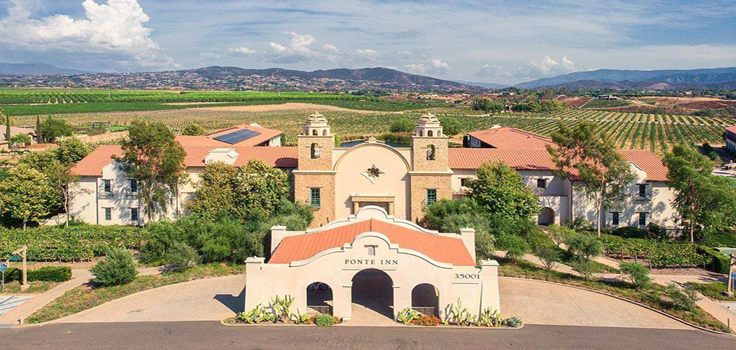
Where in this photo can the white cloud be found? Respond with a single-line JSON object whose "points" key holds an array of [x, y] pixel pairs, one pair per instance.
{"points": [[330, 48], [431, 66], [301, 49], [492, 71], [240, 51], [547, 66], [209, 55], [366, 52], [116, 27]]}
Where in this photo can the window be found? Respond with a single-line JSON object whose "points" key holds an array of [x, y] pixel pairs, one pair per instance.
{"points": [[642, 190], [106, 186], [429, 133], [371, 249], [643, 219], [108, 214], [315, 199], [314, 151], [314, 132], [614, 218], [324, 132], [430, 152], [134, 214], [465, 182], [133, 186], [541, 183], [431, 197]]}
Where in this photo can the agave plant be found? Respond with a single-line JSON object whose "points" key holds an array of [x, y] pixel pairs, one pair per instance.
{"points": [[256, 315], [300, 318], [489, 318], [281, 307], [407, 315]]}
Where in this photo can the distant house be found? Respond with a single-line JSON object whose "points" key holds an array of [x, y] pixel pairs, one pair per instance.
{"points": [[240, 135], [607, 97], [731, 138], [15, 130], [505, 137]]}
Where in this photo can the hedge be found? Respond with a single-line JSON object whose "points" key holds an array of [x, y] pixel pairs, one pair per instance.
{"points": [[659, 253], [46, 274], [74, 243]]}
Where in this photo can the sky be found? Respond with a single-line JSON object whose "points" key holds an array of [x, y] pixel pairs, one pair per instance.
{"points": [[469, 40]]}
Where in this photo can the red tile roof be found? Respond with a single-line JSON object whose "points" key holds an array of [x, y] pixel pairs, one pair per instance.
{"points": [[280, 157], [263, 136], [209, 139], [731, 129], [540, 159], [443, 249], [507, 137]]}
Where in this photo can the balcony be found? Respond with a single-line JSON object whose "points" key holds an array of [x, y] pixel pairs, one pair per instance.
{"points": [[642, 197], [104, 195]]}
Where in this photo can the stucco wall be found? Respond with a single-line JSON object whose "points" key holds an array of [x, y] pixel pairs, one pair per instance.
{"points": [[352, 178]]}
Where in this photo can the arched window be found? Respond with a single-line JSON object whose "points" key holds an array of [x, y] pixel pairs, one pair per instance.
{"points": [[314, 132], [429, 133], [421, 132], [314, 151], [324, 132], [430, 152]]}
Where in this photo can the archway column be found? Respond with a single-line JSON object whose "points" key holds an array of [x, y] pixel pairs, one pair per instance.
{"points": [[402, 299], [342, 301]]}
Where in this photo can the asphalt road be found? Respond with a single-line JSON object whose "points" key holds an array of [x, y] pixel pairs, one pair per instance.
{"points": [[213, 335]]}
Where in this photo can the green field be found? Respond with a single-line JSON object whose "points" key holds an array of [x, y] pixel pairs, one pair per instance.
{"points": [[16, 102]]}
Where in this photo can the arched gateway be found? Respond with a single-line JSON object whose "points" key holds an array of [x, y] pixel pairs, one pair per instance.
{"points": [[373, 247]]}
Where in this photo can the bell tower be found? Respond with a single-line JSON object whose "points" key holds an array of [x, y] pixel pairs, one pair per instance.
{"points": [[431, 175], [314, 178]]}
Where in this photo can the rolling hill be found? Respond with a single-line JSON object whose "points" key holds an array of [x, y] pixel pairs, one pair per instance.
{"points": [[640, 79]]}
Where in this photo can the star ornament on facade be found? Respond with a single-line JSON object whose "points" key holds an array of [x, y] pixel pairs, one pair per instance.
{"points": [[372, 173]]}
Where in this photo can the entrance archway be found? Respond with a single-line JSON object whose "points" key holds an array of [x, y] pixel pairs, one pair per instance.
{"points": [[319, 298], [425, 298], [546, 217], [374, 290]]}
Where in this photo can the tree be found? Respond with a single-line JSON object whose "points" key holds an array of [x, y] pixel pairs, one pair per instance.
{"points": [[603, 170], [637, 274], [549, 255], [583, 246], [8, 136], [253, 190], [193, 130], [26, 194], [39, 132], [71, 150], [487, 105], [54, 128], [689, 175], [117, 269], [401, 125], [154, 159], [450, 126], [514, 246], [499, 190], [61, 178], [20, 139], [558, 233]]}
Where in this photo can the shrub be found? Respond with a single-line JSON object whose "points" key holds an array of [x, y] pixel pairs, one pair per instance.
{"points": [[407, 315], [51, 274], [637, 274], [583, 246], [162, 236], [512, 322], [426, 320], [181, 256], [73, 243], [549, 255], [558, 233], [630, 232], [323, 320], [584, 267], [117, 269], [683, 299], [514, 246]]}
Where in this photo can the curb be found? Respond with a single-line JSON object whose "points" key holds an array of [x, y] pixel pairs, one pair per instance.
{"points": [[626, 300]]}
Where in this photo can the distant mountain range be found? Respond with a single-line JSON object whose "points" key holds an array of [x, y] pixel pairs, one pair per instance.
{"points": [[247, 79], [34, 69], [719, 78]]}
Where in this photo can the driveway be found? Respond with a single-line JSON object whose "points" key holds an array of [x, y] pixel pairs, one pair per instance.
{"points": [[535, 302], [545, 303], [207, 299]]}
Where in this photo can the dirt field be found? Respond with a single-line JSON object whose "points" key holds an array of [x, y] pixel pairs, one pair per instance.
{"points": [[288, 107]]}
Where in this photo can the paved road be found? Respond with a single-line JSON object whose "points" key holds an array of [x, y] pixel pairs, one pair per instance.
{"points": [[213, 335]]}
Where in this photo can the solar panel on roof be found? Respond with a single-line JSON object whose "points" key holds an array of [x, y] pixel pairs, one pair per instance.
{"points": [[237, 136]]}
